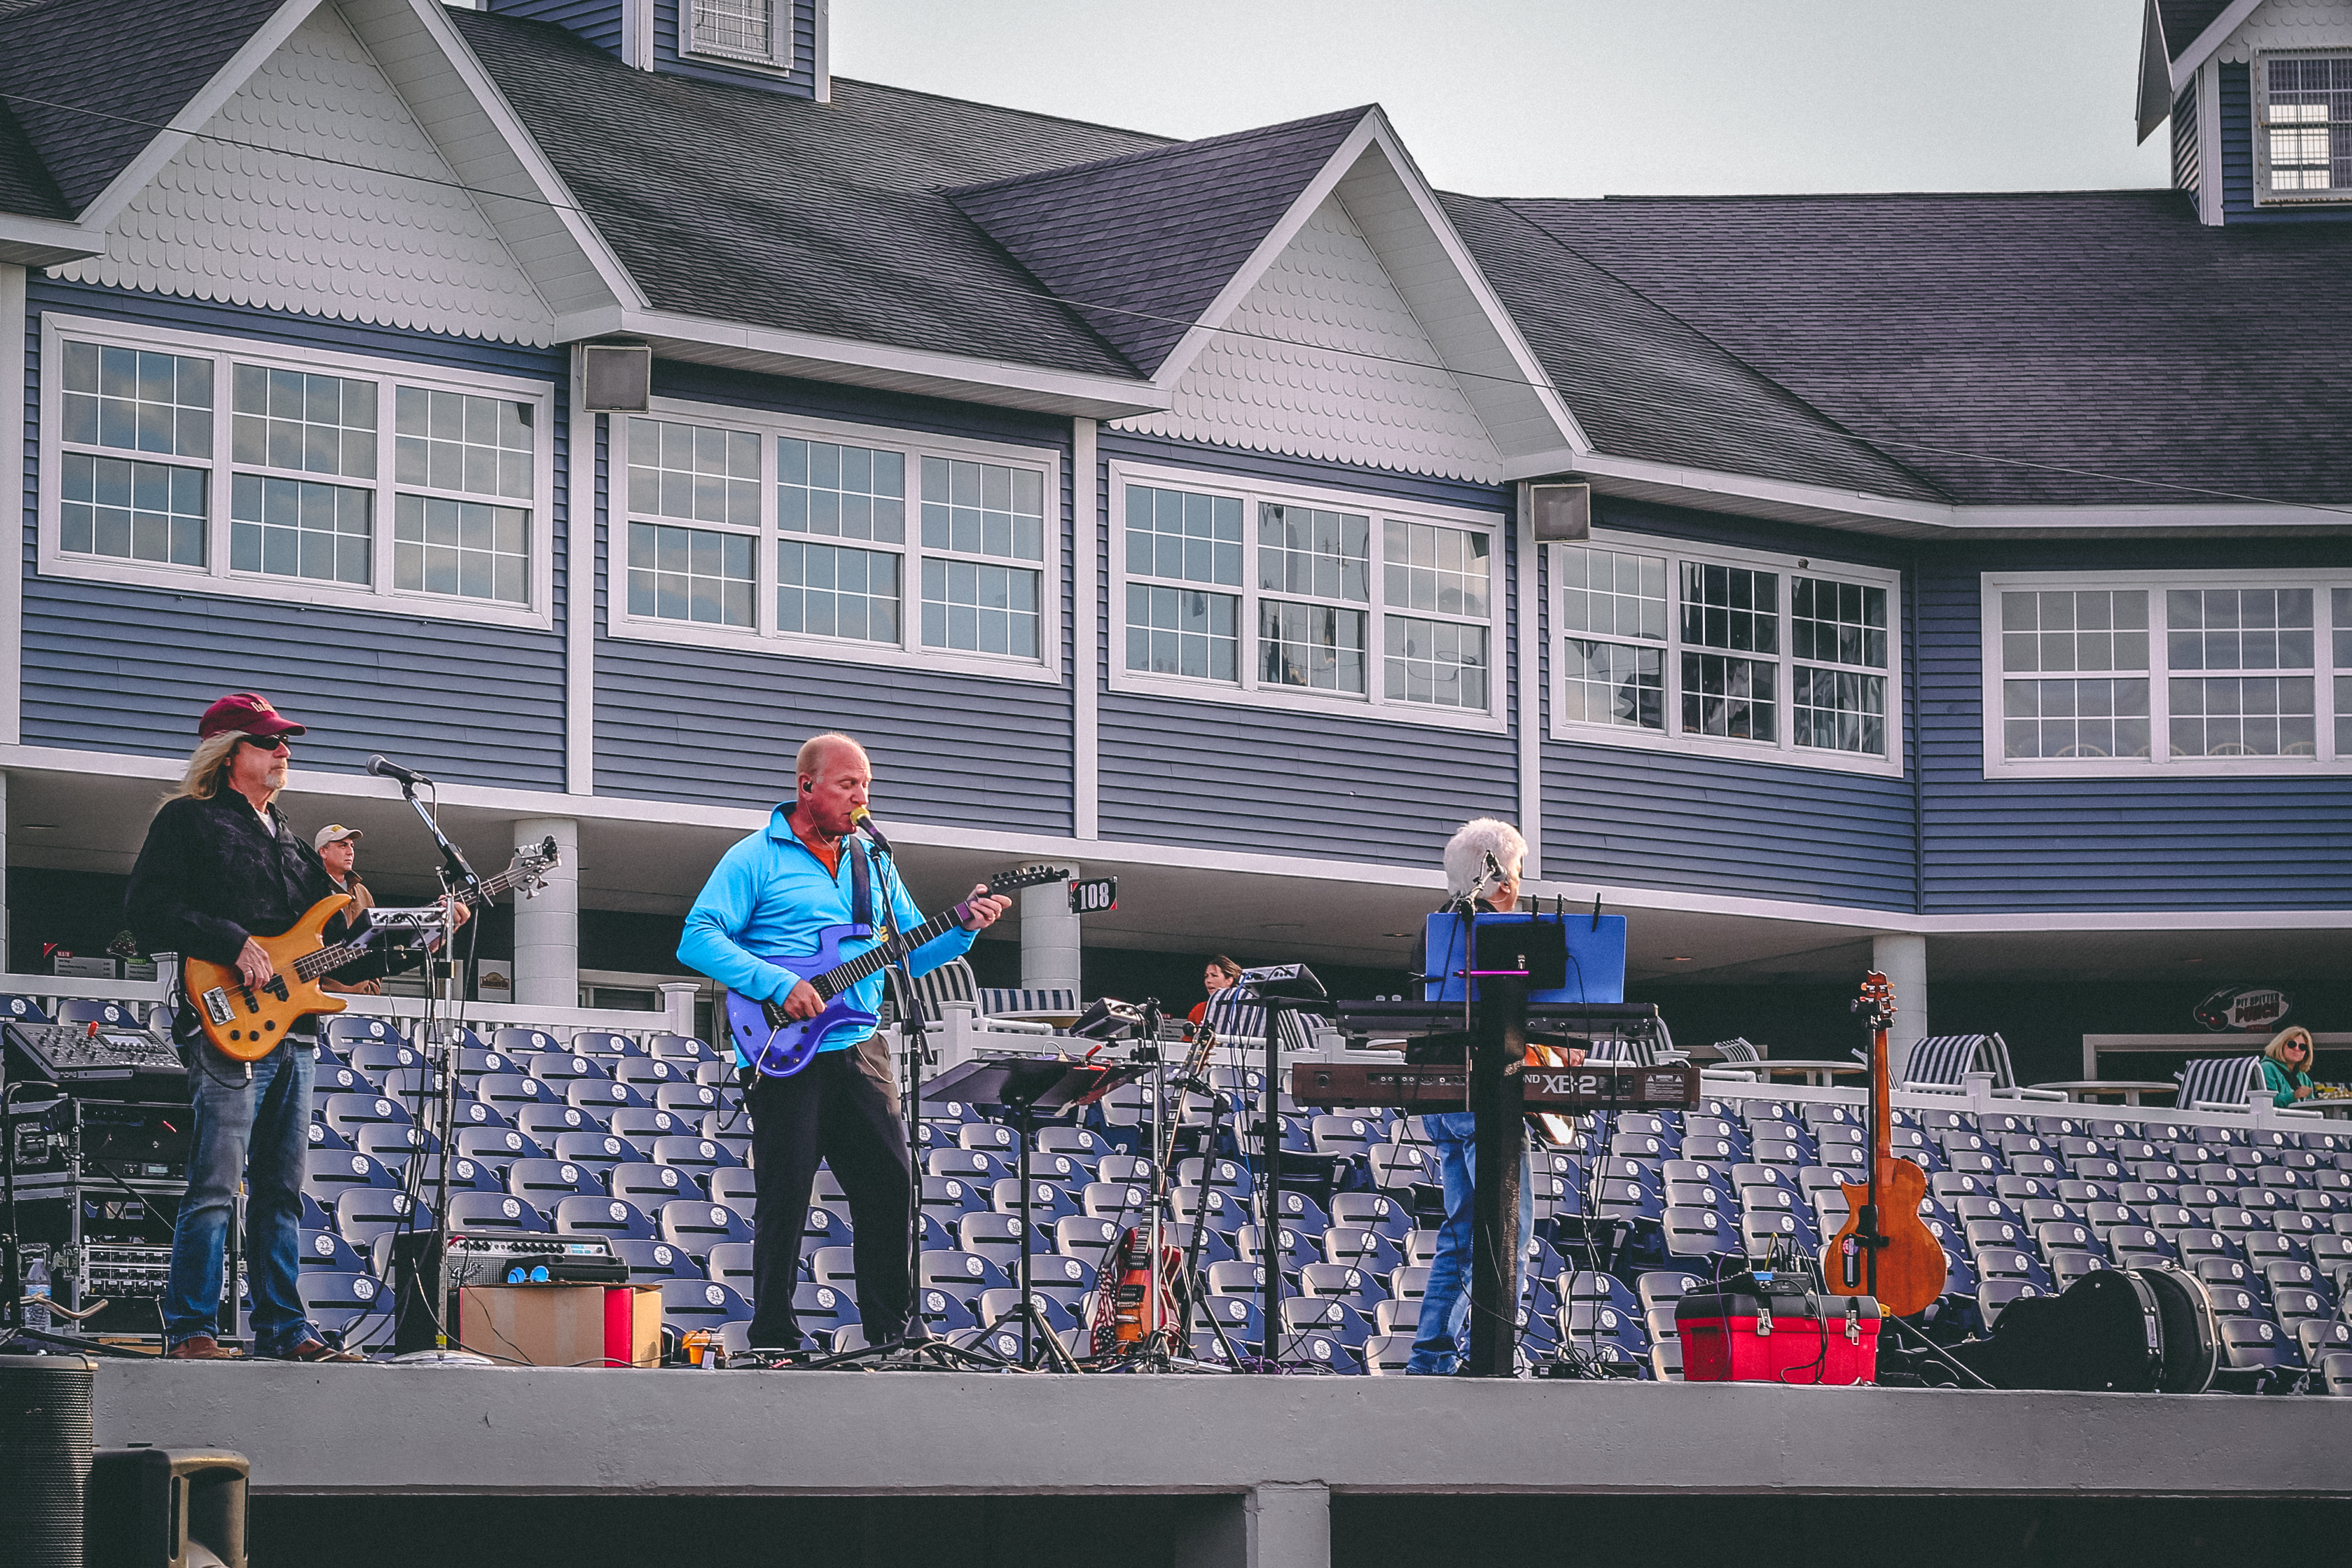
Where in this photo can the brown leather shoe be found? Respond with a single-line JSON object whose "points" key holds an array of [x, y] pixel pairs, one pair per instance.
{"points": [[319, 1350], [201, 1347]]}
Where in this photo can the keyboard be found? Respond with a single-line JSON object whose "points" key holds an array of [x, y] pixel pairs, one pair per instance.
{"points": [[1445, 1086]]}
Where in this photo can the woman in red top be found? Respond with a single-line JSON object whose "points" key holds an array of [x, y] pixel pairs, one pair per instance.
{"points": [[1222, 973]]}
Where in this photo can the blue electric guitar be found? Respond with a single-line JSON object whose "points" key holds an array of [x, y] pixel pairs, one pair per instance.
{"points": [[779, 1045]]}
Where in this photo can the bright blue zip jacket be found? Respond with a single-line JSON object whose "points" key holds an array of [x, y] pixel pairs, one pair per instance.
{"points": [[769, 893]]}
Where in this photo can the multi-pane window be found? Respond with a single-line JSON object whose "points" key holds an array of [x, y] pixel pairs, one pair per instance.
{"points": [[2085, 652], [744, 28], [1280, 594], [1182, 538], [825, 490], [822, 548], [2167, 671], [2306, 125], [1723, 693], [2254, 696], [154, 442], [986, 514], [1699, 647], [1837, 634], [132, 400]]}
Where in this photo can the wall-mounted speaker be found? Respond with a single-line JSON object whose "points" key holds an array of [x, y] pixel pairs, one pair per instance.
{"points": [[1561, 513], [616, 377]]}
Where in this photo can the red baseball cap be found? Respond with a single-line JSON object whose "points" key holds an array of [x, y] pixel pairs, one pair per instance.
{"points": [[246, 711]]}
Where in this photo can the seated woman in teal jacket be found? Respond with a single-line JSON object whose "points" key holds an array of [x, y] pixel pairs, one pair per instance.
{"points": [[2286, 1066]]}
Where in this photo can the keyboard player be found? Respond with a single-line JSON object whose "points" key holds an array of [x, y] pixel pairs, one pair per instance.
{"points": [[1483, 862]]}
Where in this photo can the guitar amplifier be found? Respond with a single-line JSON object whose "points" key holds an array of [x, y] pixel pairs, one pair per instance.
{"points": [[500, 1258]]}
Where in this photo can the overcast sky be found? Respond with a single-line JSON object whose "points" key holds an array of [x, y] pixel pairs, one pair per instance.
{"points": [[1575, 97]]}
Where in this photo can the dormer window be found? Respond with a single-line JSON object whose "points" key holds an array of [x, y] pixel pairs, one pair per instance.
{"points": [[2305, 135], [759, 31]]}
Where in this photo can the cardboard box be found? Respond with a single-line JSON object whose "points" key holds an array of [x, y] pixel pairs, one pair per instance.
{"points": [[563, 1325]]}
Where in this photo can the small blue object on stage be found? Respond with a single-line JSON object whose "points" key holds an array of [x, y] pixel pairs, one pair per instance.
{"points": [[1596, 954]]}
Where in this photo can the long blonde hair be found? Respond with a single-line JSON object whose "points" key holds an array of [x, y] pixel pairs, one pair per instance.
{"points": [[208, 768]]}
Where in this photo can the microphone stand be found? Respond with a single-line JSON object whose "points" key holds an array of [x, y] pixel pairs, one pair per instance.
{"points": [[430, 1276]]}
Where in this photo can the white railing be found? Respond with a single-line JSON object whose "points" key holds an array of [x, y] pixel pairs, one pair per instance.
{"points": [[147, 997]]}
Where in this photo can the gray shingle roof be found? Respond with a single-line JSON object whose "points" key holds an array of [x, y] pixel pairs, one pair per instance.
{"points": [[135, 63], [747, 205], [1644, 383], [1155, 233], [25, 185], [2098, 331]]}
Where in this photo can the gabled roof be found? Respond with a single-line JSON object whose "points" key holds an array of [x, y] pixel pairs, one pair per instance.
{"points": [[24, 184], [736, 204], [1645, 383], [2053, 349], [2185, 22], [1156, 235], [91, 84]]}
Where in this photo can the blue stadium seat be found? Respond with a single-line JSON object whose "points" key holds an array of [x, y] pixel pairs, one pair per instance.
{"points": [[603, 1042], [327, 1172], [393, 1145], [955, 1269], [698, 1225], [511, 1091], [353, 1309], [473, 1211], [614, 1219], [651, 1262], [649, 1185], [943, 1310], [326, 1249], [527, 1043], [690, 1304], [678, 1048], [364, 1213], [729, 1263], [821, 1308], [1048, 1201], [1085, 1237], [541, 1182]]}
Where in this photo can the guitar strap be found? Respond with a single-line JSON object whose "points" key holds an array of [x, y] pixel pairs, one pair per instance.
{"points": [[861, 886]]}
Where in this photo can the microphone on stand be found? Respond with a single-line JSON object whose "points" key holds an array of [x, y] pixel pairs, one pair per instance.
{"points": [[384, 768], [862, 818]]}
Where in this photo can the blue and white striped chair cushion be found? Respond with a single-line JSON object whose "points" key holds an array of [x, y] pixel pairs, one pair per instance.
{"points": [[1000, 1001], [1945, 1059], [2219, 1081]]}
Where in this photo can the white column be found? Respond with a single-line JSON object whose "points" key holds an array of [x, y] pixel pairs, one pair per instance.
{"points": [[1085, 516], [1049, 937], [678, 1001], [1903, 961], [4, 949], [547, 925], [1289, 1525]]}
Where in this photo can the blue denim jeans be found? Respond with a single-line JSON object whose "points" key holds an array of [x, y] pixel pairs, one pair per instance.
{"points": [[1442, 1339], [257, 1128]]}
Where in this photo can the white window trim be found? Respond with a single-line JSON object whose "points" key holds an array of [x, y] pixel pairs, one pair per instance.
{"points": [[215, 577], [1785, 750], [782, 16], [763, 637], [1245, 692], [2160, 763], [2258, 100]]}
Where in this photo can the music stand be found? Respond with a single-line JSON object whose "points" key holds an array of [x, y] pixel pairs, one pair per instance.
{"points": [[1025, 1084]]}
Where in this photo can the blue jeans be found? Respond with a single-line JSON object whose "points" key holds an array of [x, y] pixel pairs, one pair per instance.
{"points": [[263, 1121], [1442, 1339]]}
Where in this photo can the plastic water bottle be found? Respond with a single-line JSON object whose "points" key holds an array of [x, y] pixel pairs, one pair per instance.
{"points": [[37, 1292]]}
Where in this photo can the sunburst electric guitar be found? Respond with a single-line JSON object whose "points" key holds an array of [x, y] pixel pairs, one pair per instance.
{"points": [[245, 1023]]}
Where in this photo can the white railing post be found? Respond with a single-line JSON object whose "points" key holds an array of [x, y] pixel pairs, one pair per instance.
{"points": [[677, 1004]]}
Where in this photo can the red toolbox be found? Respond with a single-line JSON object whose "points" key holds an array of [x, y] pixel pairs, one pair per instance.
{"points": [[1735, 1336]]}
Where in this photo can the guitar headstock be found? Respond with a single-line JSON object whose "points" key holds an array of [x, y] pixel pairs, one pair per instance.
{"points": [[1006, 882], [1875, 1005], [531, 864]]}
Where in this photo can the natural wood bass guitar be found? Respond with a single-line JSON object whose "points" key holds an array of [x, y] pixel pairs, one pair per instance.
{"points": [[1885, 1249], [245, 1023]]}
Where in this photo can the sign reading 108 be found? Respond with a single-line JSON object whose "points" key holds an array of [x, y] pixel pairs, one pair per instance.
{"points": [[1096, 895]]}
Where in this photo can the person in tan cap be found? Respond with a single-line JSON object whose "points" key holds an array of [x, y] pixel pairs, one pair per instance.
{"points": [[339, 852], [221, 867]]}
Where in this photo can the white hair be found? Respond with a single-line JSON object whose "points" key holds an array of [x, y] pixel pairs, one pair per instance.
{"points": [[1466, 852]]}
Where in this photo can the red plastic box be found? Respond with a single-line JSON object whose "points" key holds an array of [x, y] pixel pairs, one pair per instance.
{"points": [[1737, 1338]]}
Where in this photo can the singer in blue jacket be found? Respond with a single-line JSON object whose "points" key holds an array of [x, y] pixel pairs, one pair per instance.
{"points": [[774, 893]]}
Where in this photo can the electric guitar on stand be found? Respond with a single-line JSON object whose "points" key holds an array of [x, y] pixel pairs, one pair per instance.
{"points": [[780, 1045], [1884, 1249], [244, 1022], [1131, 1315]]}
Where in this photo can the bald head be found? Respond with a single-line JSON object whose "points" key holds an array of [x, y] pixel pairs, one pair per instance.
{"points": [[833, 779]]}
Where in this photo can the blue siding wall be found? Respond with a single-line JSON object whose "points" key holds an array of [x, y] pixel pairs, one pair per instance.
{"points": [[2101, 844], [2238, 162], [1726, 825], [1222, 776], [799, 82], [598, 21], [123, 668], [720, 727]]}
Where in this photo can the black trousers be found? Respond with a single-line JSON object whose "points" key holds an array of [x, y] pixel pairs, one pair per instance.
{"points": [[829, 1111]]}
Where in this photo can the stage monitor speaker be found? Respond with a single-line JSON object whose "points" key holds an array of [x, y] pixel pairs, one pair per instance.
{"points": [[168, 1508], [616, 377], [1562, 514]]}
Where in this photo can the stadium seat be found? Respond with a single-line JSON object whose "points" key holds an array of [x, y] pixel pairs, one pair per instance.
{"points": [[999, 1237], [527, 1043], [1369, 1210], [599, 1152], [513, 1090], [678, 1048], [499, 1146], [541, 1182], [698, 1225], [729, 1263], [329, 1172], [470, 1211], [955, 1270], [326, 1249], [822, 1308], [2257, 1342], [614, 1219], [1385, 1354], [1119, 1200], [1342, 1281], [690, 1304], [1306, 1317], [945, 1310], [352, 1308], [735, 1187], [1085, 1237], [649, 1185], [1048, 1201], [1994, 1295]]}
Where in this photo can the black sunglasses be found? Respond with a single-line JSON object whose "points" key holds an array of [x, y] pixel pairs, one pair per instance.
{"points": [[268, 742]]}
